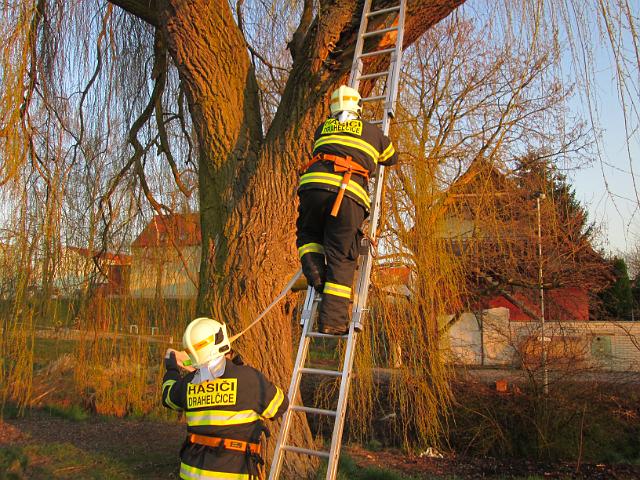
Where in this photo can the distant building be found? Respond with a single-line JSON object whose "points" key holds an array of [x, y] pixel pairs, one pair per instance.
{"points": [[491, 221], [79, 269], [166, 257], [503, 327], [393, 279], [564, 304]]}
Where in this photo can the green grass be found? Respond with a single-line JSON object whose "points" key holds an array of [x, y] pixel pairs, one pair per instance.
{"points": [[324, 351], [74, 412], [58, 460], [9, 410], [13, 463], [47, 350], [349, 470]]}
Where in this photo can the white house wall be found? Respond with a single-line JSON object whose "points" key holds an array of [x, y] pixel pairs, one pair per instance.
{"points": [[161, 271], [465, 340]]}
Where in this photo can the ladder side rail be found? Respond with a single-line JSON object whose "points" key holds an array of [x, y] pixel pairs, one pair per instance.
{"points": [[341, 408], [303, 348], [307, 309], [394, 76], [366, 263], [356, 68]]}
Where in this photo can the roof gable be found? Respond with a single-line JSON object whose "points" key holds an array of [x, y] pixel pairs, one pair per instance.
{"points": [[481, 178], [181, 229]]}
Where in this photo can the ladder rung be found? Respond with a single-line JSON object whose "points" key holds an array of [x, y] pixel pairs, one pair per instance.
{"points": [[319, 411], [318, 371], [376, 122], [326, 335], [306, 451], [379, 32], [373, 99], [383, 10], [373, 75], [377, 52]]}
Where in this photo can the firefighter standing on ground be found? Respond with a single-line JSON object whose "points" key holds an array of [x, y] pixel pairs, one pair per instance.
{"points": [[346, 151], [225, 404]]}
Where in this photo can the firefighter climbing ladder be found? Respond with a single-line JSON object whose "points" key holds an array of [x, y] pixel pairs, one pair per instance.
{"points": [[366, 259]]}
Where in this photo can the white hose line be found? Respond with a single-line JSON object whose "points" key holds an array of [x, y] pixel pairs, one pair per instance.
{"points": [[282, 294]]}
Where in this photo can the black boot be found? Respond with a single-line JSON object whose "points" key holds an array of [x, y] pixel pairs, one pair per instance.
{"points": [[314, 269], [331, 330], [333, 318]]}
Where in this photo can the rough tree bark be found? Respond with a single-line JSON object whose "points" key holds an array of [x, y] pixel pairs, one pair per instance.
{"points": [[247, 180]]}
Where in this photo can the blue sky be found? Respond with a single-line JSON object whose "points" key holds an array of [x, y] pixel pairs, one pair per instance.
{"points": [[606, 187]]}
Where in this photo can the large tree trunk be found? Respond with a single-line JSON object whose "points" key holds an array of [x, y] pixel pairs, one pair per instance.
{"points": [[247, 182]]}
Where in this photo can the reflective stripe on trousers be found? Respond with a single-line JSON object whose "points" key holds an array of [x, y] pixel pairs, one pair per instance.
{"points": [[310, 248], [337, 290]]}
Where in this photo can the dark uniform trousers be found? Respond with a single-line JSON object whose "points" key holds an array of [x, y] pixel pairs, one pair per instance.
{"points": [[233, 407], [337, 240]]}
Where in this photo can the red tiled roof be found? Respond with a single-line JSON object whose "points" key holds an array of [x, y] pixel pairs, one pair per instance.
{"points": [[181, 229], [393, 275], [561, 304]]}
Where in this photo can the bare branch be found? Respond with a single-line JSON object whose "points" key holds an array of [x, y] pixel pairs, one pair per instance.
{"points": [[147, 10]]}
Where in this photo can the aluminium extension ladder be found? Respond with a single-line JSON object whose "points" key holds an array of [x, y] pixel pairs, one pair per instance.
{"points": [[365, 262]]}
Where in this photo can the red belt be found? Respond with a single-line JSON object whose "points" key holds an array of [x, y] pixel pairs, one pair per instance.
{"points": [[344, 165]]}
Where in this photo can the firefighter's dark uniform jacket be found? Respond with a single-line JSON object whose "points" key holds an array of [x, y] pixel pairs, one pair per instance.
{"points": [[232, 406], [323, 238], [363, 142]]}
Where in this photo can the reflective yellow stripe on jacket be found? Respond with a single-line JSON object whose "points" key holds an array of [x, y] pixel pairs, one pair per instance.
{"points": [[388, 152], [221, 417], [346, 141], [310, 248], [193, 473], [337, 290], [336, 180], [167, 394], [273, 406]]}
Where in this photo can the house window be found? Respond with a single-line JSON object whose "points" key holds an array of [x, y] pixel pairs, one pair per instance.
{"points": [[601, 347]]}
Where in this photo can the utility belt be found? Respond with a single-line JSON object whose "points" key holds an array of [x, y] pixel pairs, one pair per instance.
{"points": [[225, 443], [251, 451], [344, 165]]}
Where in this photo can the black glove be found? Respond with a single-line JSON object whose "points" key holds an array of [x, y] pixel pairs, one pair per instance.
{"points": [[171, 363], [237, 359]]}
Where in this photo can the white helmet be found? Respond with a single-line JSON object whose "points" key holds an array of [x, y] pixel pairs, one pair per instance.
{"points": [[346, 99], [205, 339]]}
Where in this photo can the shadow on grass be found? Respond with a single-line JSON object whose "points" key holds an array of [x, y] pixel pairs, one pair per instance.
{"points": [[349, 470], [57, 460]]}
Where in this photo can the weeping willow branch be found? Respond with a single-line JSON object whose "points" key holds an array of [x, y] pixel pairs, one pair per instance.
{"points": [[103, 32]]}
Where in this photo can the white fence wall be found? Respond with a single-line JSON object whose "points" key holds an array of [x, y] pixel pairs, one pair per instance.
{"points": [[490, 339]]}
